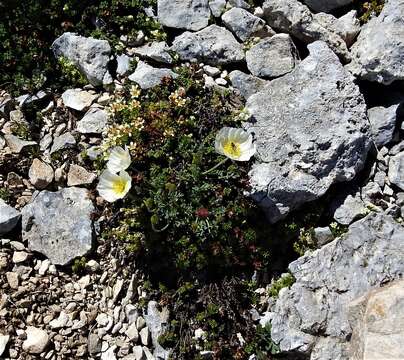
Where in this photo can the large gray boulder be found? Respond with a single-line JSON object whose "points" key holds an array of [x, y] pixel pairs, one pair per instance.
{"points": [[213, 45], [90, 55], [326, 5], [184, 14], [311, 130], [8, 217], [58, 224], [272, 57], [313, 315], [378, 54], [293, 17]]}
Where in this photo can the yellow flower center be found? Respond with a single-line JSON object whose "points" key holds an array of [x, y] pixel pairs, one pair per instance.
{"points": [[119, 186], [232, 149]]}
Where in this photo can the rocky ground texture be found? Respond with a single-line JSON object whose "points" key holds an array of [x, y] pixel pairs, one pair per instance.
{"points": [[325, 101]]}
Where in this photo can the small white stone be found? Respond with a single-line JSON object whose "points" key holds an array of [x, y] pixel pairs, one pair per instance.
{"points": [[132, 333], [37, 340], [145, 336]]}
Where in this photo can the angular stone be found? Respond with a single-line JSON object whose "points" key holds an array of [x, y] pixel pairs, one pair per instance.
{"points": [[217, 7], [377, 320], [3, 343], [156, 321], [157, 51], [132, 333], [37, 340], [303, 146], [396, 170], [272, 57], [213, 45], [312, 316], [90, 55], [244, 25], [383, 123], [123, 64], [147, 76], [59, 225], [246, 84], [294, 18], [326, 5], [40, 174], [351, 209], [78, 99], [78, 176], [184, 14], [378, 54], [8, 217], [17, 145], [62, 142], [93, 122]]}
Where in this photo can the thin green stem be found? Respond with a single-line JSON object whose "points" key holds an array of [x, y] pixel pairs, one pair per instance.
{"points": [[215, 167]]}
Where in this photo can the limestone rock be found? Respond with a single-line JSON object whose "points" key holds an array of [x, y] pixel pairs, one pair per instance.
{"points": [[396, 170], [78, 99], [40, 174], [123, 64], [246, 84], [293, 17], [351, 209], [217, 7], [8, 217], [326, 5], [377, 320], [147, 76], [90, 55], [157, 51], [184, 14], [93, 122], [312, 316], [3, 343], [383, 122], [62, 142], [78, 176], [58, 224], [272, 57], [303, 146], [378, 54], [17, 145], [37, 340], [213, 45], [244, 25]]}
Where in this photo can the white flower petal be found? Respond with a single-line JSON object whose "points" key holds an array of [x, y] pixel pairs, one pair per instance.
{"points": [[112, 186], [244, 148], [119, 159]]}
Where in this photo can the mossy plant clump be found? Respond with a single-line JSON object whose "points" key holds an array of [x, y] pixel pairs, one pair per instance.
{"points": [[28, 28], [195, 221], [368, 9]]}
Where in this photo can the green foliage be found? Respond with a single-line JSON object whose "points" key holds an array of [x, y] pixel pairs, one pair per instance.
{"points": [[197, 222], [286, 280], [368, 9], [79, 265], [262, 345], [4, 194], [28, 28], [71, 72], [337, 229]]}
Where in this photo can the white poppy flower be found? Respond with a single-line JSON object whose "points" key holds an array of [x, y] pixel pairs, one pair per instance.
{"points": [[236, 144], [119, 159], [114, 186]]}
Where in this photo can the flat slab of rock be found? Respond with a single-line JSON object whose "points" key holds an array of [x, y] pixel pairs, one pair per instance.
{"points": [[272, 57], [184, 14], [294, 18], [378, 54], [78, 99], [147, 76], [378, 322], [78, 176], [58, 224], [312, 316], [93, 122], [90, 55], [8, 217], [157, 51], [213, 45], [303, 145], [62, 142], [383, 121], [40, 174], [16, 145]]}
